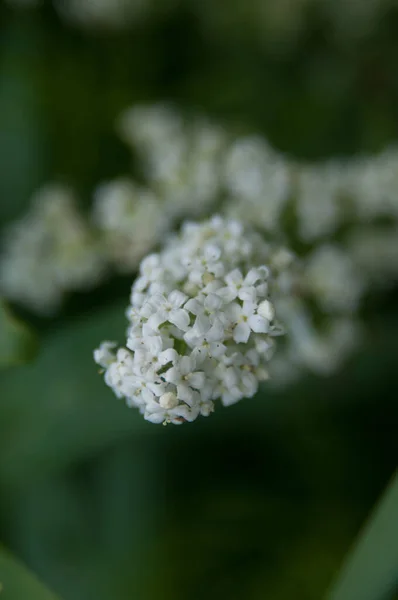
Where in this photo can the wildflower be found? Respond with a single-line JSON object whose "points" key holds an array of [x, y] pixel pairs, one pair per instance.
{"points": [[181, 160], [130, 219], [49, 251], [259, 182], [208, 335]]}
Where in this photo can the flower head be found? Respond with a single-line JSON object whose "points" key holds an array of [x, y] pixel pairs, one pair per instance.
{"points": [[50, 251], [202, 324]]}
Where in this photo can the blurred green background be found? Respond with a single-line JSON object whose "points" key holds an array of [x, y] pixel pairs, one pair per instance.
{"points": [[264, 499]]}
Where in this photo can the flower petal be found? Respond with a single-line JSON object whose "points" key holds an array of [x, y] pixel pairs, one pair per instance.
{"points": [[173, 375], [266, 310], [202, 324], [234, 278], [196, 380], [232, 396], [213, 302], [169, 355], [177, 298], [258, 324], [217, 349], [212, 252], [194, 306], [216, 333], [241, 333], [252, 277], [184, 392], [180, 318], [157, 319], [227, 293], [154, 417], [154, 344]]}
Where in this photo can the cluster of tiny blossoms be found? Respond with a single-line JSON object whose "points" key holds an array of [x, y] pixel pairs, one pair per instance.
{"points": [[201, 324], [181, 158], [48, 252], [130, 221]]}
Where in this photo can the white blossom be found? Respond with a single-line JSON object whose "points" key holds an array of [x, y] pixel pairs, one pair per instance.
{"points": [[333, 279], [321, 349], [49, 251], [371, 182], [130, 219], [195, 343], [181, 159], [374, 250], [258, 180], [318, 199]]}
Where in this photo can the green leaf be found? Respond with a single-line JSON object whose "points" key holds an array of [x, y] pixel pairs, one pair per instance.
{"points": [[17, 342], [371, 571], [17, 583], [59, 409]]}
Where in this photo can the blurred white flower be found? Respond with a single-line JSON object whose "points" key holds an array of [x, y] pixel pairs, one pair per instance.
{"points": [[333, 279], [318, 199], [259, 182], [372, 184], [131, 220], [49, 251], [375, 251], [209, 345], [181, 159], [318, 348]]}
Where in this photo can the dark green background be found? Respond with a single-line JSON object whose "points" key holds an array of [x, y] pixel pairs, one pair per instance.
{"points": [[263, 499]]}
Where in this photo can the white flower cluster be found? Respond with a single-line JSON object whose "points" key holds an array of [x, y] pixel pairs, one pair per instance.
{"points": [[318, 190], [131, 221], [181, 159], [333, 279], [49, 251], [259, 182], [321, 349], [375, 252], [202, 324], [372, 183]]}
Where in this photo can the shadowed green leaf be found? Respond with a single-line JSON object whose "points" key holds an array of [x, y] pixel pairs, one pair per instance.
{"points": [[17, 583], [17, 342], [371, 571], [59, 409]]}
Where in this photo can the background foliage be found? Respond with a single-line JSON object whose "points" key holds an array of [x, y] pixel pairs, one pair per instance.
{"points": [[264, 499]]}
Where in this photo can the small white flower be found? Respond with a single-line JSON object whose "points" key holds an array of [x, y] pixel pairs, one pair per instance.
{"points": [[169, 310], [243, 288], [185, 378], [244, 319], [104, 355]]}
